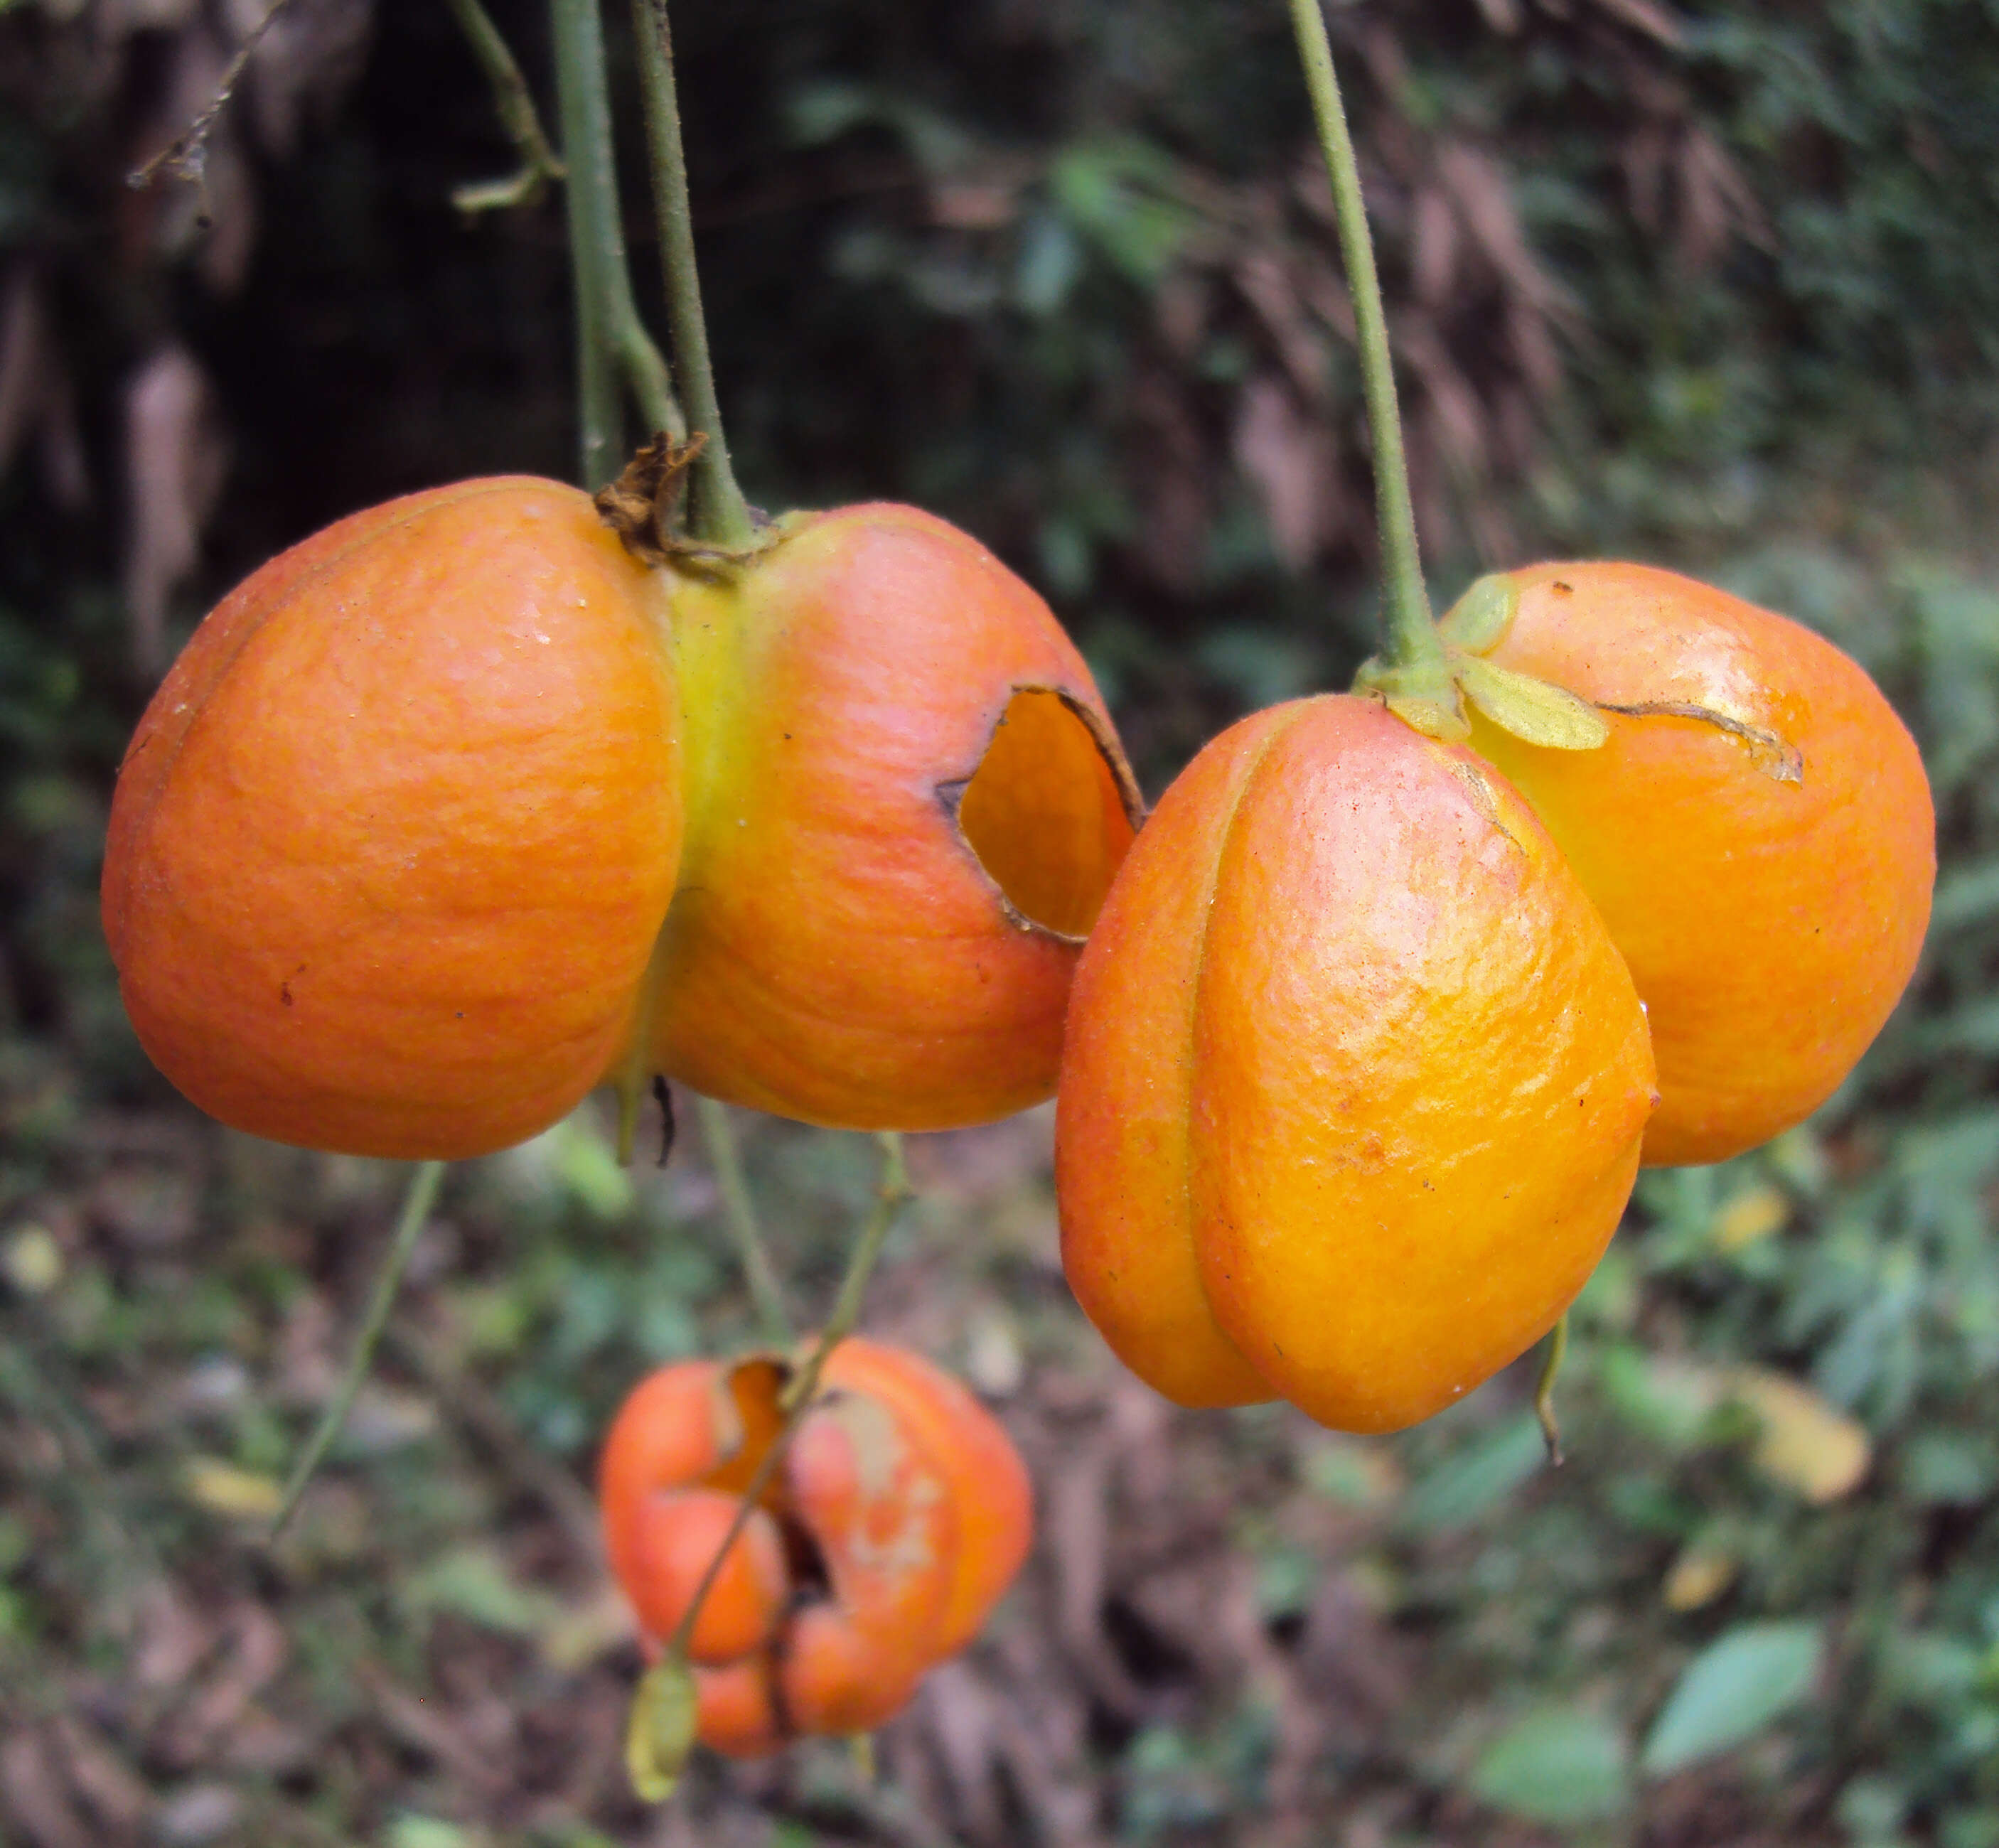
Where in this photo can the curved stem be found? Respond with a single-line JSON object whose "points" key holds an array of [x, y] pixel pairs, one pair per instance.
{"points": [[1407, 631], [1544, 1390], [515, 105], [421, 1197], [718, 1134], [717, 511], [890, 1195]]}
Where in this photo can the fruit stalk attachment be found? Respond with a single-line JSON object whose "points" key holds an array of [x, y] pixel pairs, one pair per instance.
{"points": [[718, 513], [417, 1201]]}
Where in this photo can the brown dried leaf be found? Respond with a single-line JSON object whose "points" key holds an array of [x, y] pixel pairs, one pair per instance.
{"points": [[1290, 462], [38, 1800], [175, 458]]}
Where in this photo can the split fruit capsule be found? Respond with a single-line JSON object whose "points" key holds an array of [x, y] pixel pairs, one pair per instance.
{"points": [[899, 1515]]}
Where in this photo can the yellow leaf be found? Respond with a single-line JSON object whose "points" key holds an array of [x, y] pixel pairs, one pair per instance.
{"points": [[1806, 1443], [1536, 711], [223, 1489], [1755, 1213], [1699, 1575], [660, 1734]]}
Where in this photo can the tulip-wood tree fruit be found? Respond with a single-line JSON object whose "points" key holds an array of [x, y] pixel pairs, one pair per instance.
{"points": [[1758, 833], [392, 842], [1355, 1080], [906, 803], [894, 1522]]}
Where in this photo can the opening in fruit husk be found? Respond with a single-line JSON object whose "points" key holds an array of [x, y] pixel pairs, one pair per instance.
{"points": [[756, 1387], [1050, 812]]}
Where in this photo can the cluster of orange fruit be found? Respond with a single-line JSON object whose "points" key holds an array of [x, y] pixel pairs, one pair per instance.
{"points": [[462, 806]]}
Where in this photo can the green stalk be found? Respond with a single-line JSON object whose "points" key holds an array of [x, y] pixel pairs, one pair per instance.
{"points": [[717, 512], [610, 336], [741, 1212], [1409, 632], [890, 1196], [417, 1204], [594, 229]]}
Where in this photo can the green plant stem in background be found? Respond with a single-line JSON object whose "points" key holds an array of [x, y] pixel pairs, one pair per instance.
{"points": [[515, 105], [1408, 629], [717, 511], [417, 1201], [718, 1134], [610, 337], [891, 1194]]}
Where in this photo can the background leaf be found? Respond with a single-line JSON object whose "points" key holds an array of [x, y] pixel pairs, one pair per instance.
{"points": [[1732, 1690]]}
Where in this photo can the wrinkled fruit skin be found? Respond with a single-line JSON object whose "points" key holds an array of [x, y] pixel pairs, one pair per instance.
{"points": [[394, 840], [900, 1514], [1769, 886], [836, 952], [1355, 1082]]}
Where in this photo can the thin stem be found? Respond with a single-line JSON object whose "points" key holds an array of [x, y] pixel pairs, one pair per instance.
{"points": [[416, 1203], [593, 228], [1544, 1390], [717, 511], [186, 157], [890, 1195], [1409, 632], [515, 106], [718, 1134]]}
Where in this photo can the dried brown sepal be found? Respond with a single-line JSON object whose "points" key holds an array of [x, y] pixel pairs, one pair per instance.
{"points": [[643, 505]]}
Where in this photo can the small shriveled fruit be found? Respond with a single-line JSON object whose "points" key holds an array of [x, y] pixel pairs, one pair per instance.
{"points": [[1758, 833], [906, 802], [900, 1513], [1355, 1080], [392, 842]]}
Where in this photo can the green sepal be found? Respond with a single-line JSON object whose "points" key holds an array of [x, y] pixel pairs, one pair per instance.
{"points": [[1479, 620], [659, 1733], [1535, 711]]}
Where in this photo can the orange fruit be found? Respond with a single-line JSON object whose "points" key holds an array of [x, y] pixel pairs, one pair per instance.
{"points": [[906, 802], [394, 840], [901, 1512], [1758, 835], [1355, 1080]]}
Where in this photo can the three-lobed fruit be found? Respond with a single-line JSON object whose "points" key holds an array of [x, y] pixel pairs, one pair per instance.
{"points": [[1355, 1080], [1758, 834], [901, 1511]]}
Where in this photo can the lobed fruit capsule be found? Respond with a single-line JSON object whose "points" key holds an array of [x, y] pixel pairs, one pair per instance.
{"points": [[392, 842], [901, 1510], [1758, 835], [906, 803], [1355, 1080]]}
